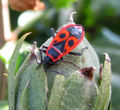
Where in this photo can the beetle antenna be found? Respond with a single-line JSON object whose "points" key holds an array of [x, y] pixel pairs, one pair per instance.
{"points": [[71, 17]]}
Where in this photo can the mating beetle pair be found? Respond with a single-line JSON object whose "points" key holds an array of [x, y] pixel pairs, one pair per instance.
{"points": [[64, 41]]}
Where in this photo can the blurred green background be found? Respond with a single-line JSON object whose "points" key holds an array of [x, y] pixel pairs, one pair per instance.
{"points": [[100, 18]]}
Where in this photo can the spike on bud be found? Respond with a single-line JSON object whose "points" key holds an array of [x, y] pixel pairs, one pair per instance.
{"points": [[71, 17]]}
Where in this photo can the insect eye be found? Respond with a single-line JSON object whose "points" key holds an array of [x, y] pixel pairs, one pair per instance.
{"points": [[62, 35]]}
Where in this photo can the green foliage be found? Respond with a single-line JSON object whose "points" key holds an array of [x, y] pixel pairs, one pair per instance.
{"points": [[62, 3], [20, 59], [106, 36]]}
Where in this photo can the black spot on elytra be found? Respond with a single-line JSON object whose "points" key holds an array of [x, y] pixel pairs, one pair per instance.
{"points": [[62, 35], [70, 43]]}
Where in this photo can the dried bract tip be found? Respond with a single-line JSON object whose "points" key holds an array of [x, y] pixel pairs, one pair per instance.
{"points": [[71, 17], [107, 58], [101, 71], [88, 72]]}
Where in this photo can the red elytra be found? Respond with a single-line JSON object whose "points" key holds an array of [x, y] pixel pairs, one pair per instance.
{"points": [[65, 41]]}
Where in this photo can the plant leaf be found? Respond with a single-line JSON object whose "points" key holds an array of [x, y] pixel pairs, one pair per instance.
{"points": [[75, 93], [37, 97], [23, 105], [56, 93], [11, 73], [104, 95]]}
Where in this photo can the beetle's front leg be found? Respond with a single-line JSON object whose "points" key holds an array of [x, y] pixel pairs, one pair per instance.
{"points": [[70, 62], [39, 64], [43, 49]]}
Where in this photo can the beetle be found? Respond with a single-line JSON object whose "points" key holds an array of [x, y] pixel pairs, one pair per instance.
{"points": [[64, 41]]}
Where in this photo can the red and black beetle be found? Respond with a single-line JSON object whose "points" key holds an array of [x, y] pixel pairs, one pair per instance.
{"points": [[64, 41]]}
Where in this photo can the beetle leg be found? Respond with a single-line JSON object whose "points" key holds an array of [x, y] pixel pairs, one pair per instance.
{"points": [[44, 47], [41, 54], [39, 64], [52, 32], [70, 63], [41, 50], [80, 53]]}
